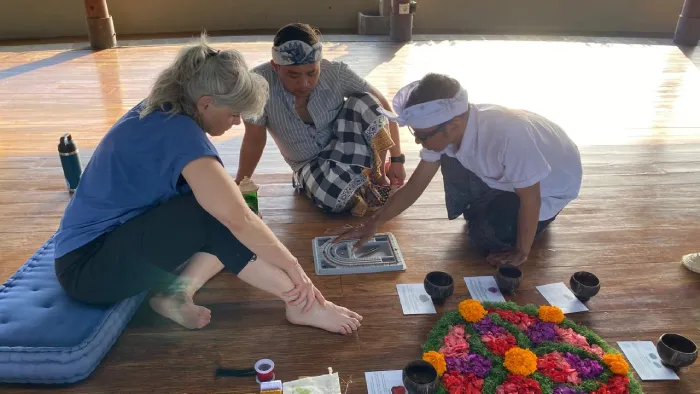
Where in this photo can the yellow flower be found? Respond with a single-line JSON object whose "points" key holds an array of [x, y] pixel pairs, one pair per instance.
{"points": [[520, 361], [472, 310], [616, 363], [437, 360], [550, 314]]}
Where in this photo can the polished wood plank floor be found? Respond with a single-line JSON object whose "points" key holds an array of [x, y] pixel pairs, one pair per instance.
{"points": [[631, 105]]}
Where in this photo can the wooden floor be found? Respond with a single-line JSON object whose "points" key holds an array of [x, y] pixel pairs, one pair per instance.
{"points": [[631, 105]]}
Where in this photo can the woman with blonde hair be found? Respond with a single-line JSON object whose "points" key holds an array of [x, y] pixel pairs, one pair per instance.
{"points": [[156, 210]]}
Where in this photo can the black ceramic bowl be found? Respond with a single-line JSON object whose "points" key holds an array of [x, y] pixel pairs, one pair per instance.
{"points": [[508, 278], [584, 285], [439, 285], [420, 377], [676, 351]]}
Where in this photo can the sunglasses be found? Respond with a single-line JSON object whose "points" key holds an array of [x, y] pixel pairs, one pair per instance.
{"points": [[427, 136]]}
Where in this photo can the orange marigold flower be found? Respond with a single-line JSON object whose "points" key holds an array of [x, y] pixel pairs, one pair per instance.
{"points": [[520, 361], [550, 314], [616, 363], [437, 360], [472, 310]]}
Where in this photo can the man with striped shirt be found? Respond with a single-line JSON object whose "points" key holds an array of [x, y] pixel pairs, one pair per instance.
{"points": [[326, 122]]}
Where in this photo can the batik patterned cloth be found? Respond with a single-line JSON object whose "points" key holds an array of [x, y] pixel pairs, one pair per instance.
{"points": [[335, 179]]}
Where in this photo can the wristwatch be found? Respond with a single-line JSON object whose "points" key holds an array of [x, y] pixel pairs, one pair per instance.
{"points": [[399, 159]]}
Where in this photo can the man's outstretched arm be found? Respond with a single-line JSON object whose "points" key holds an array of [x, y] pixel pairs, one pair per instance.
{"points": [[397, 203], [254, 141]]}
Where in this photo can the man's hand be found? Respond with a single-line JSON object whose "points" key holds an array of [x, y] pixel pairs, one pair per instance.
{"points": [[362, 232], [396, 173], [513, 257]]}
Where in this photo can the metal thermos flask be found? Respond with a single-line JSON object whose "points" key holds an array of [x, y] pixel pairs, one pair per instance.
{"points": [[70, 161]]}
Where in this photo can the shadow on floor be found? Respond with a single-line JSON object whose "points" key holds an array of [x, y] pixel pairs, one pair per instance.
{"points": [[364, 62], [58, 58]]}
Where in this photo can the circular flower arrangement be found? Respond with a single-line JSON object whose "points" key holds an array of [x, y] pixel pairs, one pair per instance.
{"points": [[503, 348]]}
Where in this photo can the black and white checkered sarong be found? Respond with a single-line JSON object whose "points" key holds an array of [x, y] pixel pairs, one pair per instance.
{"points": [[331, 179]]}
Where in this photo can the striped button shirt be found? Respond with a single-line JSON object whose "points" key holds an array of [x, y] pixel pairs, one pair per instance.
{"points": [[299, 142]]}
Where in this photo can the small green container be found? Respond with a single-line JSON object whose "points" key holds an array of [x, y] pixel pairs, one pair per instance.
{"points": [[252, 200], [250, 194]]}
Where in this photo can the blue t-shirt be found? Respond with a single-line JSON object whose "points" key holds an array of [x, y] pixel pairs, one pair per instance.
{"points": [[135, 167]]}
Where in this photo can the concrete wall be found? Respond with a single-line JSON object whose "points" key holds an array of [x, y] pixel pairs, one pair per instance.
{"points": [[21, 19]]}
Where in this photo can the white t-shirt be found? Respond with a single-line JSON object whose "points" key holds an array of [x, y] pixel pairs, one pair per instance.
{"points": [[511, 149]]}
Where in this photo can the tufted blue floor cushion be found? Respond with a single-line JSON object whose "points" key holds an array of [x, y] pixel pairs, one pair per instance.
{"points": [[47, 337]]}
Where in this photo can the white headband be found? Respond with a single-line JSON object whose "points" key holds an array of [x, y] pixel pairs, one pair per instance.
{"points": [[295, 53], [428, 114]]}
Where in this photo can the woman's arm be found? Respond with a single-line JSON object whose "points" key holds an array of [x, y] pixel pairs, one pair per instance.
{"points": [[219, 195]]}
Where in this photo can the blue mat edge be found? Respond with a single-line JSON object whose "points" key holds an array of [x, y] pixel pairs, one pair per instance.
{"points": [[130, 306]]}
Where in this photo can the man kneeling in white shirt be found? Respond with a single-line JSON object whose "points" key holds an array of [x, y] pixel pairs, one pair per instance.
{"points": [[509, 172]]}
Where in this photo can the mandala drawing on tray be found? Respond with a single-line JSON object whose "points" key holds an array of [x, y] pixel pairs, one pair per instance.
{"points": [[503, 348]]}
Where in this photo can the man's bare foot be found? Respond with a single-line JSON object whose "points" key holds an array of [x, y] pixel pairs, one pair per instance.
{"points": [[180, 308], [329, 317]]}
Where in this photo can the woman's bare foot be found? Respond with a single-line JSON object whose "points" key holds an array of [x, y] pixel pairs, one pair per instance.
{"points": [[180, 308], [329, 317]]}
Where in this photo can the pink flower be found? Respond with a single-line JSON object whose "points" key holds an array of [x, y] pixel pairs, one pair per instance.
{"points": [[516, 384], [455, 342], [556, 368], [520, 319], [595, 349], [571, 337], [499, 344]]}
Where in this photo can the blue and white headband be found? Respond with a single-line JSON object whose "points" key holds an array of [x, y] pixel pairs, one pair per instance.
{"points": [[296, 53], [428, 114]]}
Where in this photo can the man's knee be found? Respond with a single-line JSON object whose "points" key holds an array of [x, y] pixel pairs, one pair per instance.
{"points": [[367, 98], [484, 236], [495, 228], [502, 212]]}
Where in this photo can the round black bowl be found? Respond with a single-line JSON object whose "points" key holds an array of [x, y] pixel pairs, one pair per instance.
{"points": [[584, 285], [676, 351], [439, 286], [420, 377], [508, 278]]}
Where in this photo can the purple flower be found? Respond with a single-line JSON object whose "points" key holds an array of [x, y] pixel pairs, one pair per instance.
{"points": [[469, 363], [567, 390], [541, 331], [487, 326], [587, 368]]}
